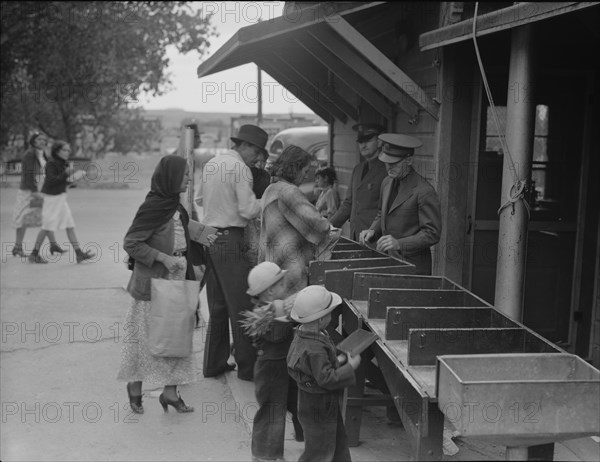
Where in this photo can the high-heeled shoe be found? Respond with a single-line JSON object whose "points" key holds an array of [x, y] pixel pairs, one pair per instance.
{"points": [[179, 405], [17, 251], [56, 248], [81, 256], [35, 257], [135, 402]]}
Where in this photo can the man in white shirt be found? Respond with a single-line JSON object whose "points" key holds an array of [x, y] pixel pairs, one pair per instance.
{"points": [[229, 203]]}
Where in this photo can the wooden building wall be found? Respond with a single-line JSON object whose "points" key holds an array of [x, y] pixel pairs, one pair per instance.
{"points": [[421, 67]]}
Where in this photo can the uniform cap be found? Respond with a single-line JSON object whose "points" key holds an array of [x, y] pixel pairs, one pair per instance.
{"points": [[396, 147], [366, 131]]}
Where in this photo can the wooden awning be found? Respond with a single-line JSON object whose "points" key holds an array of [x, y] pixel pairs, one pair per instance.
{"points": [[499, 20], [301, 52]]}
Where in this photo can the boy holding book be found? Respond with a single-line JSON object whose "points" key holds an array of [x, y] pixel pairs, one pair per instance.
{"points": [[321, 376]]}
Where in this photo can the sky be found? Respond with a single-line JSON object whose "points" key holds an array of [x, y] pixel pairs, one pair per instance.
{"points": [[234, 90]]}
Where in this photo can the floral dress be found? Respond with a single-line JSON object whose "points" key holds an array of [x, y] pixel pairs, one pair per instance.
{"points": [[137, 364]]}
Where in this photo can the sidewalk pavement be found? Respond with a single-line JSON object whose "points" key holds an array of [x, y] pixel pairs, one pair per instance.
{"points": [[62, 329]]}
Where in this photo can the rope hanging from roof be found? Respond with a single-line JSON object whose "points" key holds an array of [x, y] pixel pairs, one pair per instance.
{"points": [[519, 188]]}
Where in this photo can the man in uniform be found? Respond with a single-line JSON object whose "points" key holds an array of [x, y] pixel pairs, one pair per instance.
{"points": [[362, 197], [408, 222]]}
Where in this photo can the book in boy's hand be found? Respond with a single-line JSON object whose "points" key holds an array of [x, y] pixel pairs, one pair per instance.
{"points": [[357, 342]]}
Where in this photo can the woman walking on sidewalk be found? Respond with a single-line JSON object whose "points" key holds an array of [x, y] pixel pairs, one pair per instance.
{"points": [[56, 213], [158, 245], [28, 209]]}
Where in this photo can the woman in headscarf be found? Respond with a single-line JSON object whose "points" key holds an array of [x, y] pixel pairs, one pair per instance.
{"points": [[159, 246], [292, 229]]}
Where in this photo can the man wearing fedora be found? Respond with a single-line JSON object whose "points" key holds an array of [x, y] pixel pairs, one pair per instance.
{"points": [[229, 203], [362, 196], [408, 222]]}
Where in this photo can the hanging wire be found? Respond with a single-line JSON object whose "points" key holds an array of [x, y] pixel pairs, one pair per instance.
{"points": [[519, 188]]}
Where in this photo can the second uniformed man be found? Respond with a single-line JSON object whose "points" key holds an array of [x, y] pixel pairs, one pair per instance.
{"points": [[408, 221]]}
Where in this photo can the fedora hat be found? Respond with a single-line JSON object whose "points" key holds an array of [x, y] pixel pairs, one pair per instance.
{"points": [[252, 134], [396, 147], [263, 276], [312, 303], [366, 131]]}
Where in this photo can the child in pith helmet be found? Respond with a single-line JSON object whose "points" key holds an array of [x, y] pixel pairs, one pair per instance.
{"points": [[270, 327], [321, 376]]}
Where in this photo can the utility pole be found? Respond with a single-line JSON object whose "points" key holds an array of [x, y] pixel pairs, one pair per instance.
{"points": [[259, 115]]}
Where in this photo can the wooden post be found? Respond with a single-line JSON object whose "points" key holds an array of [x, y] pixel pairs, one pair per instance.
{"points": [[189, 154], [520, 126], [259, 114]]}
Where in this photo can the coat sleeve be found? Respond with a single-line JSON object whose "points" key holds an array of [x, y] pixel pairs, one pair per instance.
{"points": [[326, 375], [303, 216], [343, 213], [135, 244], [248, 205], [376, 225], [430, 225]]}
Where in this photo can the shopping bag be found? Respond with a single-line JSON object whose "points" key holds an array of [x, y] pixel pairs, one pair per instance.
{"points": [[172, 317]]}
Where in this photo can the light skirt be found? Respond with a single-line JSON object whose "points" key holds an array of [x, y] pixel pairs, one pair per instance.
{"points": [[56, 213], [25, 216]]}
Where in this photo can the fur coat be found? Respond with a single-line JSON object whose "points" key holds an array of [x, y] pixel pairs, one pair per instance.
{"points": [[291, 230]]}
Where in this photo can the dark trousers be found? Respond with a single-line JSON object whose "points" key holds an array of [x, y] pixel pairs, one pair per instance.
{"points": [[226, 287], [324, 432], [276, 393]]}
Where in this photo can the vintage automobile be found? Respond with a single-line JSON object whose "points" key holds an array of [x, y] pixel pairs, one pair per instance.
{"points": [[314, 140]]}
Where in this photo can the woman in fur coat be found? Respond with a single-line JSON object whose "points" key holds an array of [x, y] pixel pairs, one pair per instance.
{"points": [[292, 229]]}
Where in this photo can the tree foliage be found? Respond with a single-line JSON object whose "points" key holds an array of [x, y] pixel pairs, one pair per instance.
{"points": [[66, 66]]}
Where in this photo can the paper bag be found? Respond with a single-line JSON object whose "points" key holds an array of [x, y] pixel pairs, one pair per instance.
{"points": [[172, 317]]}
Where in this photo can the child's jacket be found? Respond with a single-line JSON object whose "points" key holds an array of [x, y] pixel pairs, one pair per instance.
{"points": [[313, 364]]}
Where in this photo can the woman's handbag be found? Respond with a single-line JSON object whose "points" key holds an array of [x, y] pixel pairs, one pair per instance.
{"points": [[36, 202], [172, 317]]}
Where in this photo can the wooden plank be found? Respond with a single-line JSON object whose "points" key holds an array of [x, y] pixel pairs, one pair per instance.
{"points": [[294, 89], [380, 299], [424, 345], [317, 81], [400, 320], [346, 74], [502, 19], [337, 107], [340, 281], [534, 343], [363, 281], [349, 254], [235, 51], [316, 269], [339, 47], [348, 246], [381, 62]]}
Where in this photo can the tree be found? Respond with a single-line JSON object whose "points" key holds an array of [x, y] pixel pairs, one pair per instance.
{"points": [[66, 65]]}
